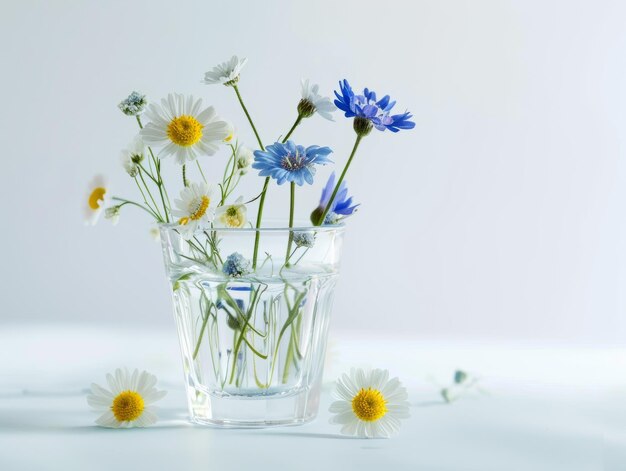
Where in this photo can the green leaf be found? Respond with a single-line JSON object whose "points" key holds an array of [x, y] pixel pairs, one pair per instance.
{"points": [[184, 277]]}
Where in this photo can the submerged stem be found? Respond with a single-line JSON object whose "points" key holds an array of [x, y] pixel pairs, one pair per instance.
{"points": [[291, 211]]}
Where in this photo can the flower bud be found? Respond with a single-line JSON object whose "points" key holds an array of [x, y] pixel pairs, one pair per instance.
{"points": [[306, 109], [362, 126]]}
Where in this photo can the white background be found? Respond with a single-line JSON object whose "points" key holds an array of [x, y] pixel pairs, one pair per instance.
{"points": [[499, 216]]}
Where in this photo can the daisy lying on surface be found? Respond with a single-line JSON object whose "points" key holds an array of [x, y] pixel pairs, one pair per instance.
{"points": [[129, 402], [369, 404]]}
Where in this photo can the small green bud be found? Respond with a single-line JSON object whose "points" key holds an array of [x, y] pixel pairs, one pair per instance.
{"points": [[233, 82], [306, 109], [316, 215], [362, 126], [460, 376], [136, 158]]}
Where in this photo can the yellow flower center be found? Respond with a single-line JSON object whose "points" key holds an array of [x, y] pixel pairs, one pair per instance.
{"points": [[232, 217], [229, 137], [96, 195], [201, 209], [127, 406], [184, 130], [369, 405]]}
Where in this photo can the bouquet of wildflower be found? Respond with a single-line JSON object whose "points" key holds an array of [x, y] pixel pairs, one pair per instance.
{"points": [[264, 328], [180, 128]]}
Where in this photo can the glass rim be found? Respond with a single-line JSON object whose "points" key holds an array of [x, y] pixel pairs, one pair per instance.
{"points": [[246, 230]]}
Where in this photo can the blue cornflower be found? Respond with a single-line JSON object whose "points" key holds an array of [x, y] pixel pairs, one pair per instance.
{"points": [[236, 265], [289, 162], [341, 206], [376, 112]]}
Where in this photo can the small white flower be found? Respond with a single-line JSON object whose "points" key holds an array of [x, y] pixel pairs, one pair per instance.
{"points": [[226, 73], [181, 129], [313, 102], [113, 214], [96, 199], [243, 158], [231, 215], [129, 400], [369, 405], [132, 156], [194, 209]]}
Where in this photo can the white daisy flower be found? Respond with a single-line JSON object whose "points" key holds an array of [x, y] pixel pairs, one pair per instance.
{"points": [[369, 405], [133, 155], [313, 102], [226, 73], [128, 401], [181, 129], [231, 215], [243, 159], [96, 199], [194, 209]]}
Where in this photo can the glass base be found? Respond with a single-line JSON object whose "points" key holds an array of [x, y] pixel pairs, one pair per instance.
{"points": [[254, 411]]}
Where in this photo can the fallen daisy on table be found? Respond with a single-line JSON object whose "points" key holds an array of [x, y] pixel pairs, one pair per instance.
{"points": [[369, 405], [129, 401]]}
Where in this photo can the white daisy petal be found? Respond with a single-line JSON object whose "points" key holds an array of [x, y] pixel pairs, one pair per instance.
{"points": [[107, 419], [100, 391], [350, 428], [343, 417], [98, 402], [149, 417], [113, 386]]}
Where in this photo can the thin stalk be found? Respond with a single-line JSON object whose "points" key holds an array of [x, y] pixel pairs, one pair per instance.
{"points": [[245, 110], [185, 183], [159, 183], [259, 217], [154, 210], [149, 211], [150, 195], [293, 128], [201, 172], [291, 211], [206, 319], [320, 221]]}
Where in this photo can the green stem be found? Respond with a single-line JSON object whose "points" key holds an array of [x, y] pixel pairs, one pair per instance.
{"points": [[293, 128], [259, 217], [289, 357], [145, 200], [195, 351], [245, 110], [291, 211], [201, 172], [185, 183], [149, 211], [159, 181], [150, 195], [320, 221]]}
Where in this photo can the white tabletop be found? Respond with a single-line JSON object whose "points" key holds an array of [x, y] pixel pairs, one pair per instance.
{"points": [[543, 408]]}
